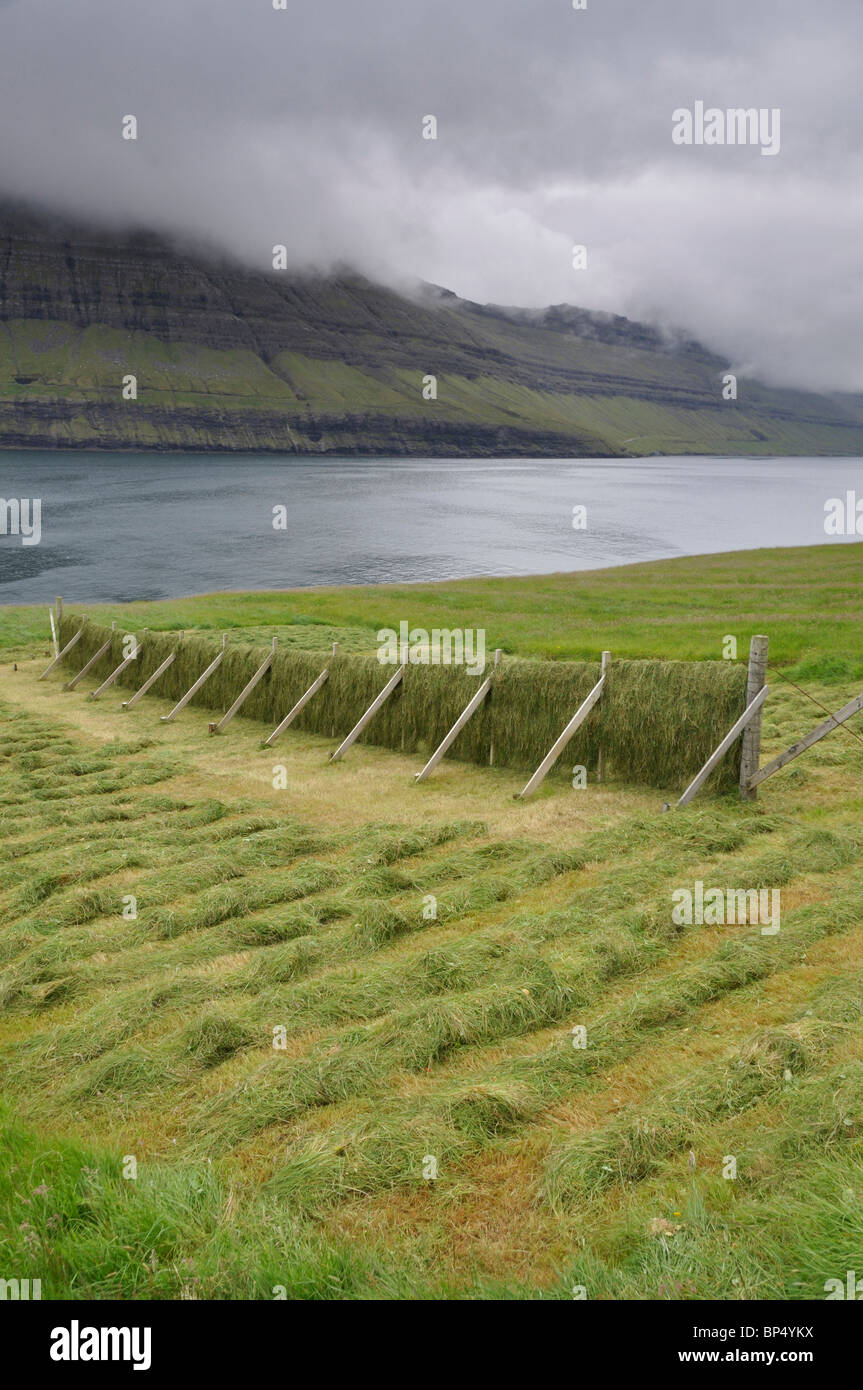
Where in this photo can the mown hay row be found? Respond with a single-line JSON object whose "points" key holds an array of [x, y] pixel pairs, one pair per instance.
{"points": [[657, 721], [632, 1146], [379, 1147]]}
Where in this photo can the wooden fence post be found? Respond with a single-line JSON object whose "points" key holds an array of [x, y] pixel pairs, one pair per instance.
{"points": [[369, 714], [151, 680], [301, 703], [600, 757], [68, 647], [246, 691], [750, 754], [94, 694], [560, 743], [193, 690], [834, 722], [54, 641], [473, 704], [751, 712], [105, 647]]}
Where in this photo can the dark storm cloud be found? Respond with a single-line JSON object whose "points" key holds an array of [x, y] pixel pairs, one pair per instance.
{"points": [[303, 127]]}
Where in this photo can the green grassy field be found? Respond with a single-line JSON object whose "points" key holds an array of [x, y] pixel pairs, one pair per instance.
{"points": [[426, 1127], [808, 599]]}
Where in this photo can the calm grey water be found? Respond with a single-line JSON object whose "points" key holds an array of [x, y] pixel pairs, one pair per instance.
{"points": [[117, 527]]}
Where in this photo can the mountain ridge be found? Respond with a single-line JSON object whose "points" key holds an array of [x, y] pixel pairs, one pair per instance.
{"points": [[230, 359]]}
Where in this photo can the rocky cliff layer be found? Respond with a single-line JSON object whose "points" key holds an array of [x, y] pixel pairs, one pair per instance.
{"points": [[227, 358]]}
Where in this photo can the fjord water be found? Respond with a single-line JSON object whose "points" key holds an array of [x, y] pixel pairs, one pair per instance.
{"points": [[117, 527]]}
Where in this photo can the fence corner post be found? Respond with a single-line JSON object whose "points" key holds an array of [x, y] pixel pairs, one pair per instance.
{"points": [[750, 755]]}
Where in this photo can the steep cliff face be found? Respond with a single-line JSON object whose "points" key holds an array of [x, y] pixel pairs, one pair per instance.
{"points": [[225, 359]]}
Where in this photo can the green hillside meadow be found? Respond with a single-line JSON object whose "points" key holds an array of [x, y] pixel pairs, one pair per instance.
{"points": [[273, 1027]]}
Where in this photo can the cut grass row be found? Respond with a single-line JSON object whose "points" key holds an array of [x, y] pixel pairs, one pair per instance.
{"points": [[410, 1036]]}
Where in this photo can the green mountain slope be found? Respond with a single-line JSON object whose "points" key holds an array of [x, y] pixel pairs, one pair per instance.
{"points": [[229, 359]]}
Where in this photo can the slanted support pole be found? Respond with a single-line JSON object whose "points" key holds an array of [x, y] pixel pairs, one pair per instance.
{"points": [[600, 756], [68, 647], [557, 748], [473, 704], [246, 691], [827, 727], [205, 675], [750, 753], [151, 680], [733, 733], [368, 716], [94, 694], [105, 647], [301, 703]]}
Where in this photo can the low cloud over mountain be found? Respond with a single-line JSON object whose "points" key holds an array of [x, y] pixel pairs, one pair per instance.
{"points": [[303, 126]]}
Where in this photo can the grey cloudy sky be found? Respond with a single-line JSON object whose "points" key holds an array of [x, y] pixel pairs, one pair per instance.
{"points": [[303, 127]]}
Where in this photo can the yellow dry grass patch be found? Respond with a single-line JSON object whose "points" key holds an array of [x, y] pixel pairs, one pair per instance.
{"points": [[368, 784]]}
